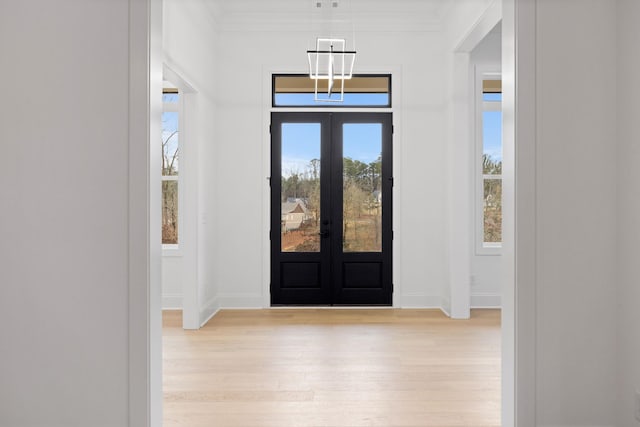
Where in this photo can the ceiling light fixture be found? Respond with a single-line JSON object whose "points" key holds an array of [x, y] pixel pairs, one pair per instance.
{"points": [[330, 61]]}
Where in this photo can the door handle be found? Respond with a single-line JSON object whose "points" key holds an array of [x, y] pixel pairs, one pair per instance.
{"points": [[325, 233]]}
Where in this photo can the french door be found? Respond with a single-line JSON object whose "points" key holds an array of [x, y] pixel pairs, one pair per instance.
{"points": [[331, 199]]}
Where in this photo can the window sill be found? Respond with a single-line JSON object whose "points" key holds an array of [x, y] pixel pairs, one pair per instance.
{"points": [[489, 250], [171, 251]]}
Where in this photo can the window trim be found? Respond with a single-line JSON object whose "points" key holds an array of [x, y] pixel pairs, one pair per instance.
{"points": [[329, 104], [175, 249], [482, 73]]}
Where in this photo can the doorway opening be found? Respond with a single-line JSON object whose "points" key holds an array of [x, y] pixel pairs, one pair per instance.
{"points": [[331, 217], [508, 297]]}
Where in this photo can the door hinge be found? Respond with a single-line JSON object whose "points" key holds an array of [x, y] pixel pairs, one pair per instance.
{"points": [[270, 128], [393, 129], [393, 235], [392, 181], [269, 179], [269, 234]]}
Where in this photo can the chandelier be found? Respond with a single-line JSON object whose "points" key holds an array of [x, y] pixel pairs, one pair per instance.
{"points": [[330, 61]]}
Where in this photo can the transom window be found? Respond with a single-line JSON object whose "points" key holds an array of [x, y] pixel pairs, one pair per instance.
{"points": [[366, 91]]}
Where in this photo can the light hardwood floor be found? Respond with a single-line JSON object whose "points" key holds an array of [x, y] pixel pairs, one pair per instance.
{"points": [[338, 368]]}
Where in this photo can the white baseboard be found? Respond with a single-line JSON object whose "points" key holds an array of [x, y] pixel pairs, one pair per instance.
{"points": [[172, 301], [420, 301], [209, 310], [486, 301], [241, 301], [417, 300], [445, 306], [426, 301], [445, 311]]}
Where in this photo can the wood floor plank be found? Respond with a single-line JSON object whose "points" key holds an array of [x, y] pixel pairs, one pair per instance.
{"points": [[333, 368]]}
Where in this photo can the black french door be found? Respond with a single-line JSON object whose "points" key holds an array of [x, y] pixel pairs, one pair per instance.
{"points": [[331, 199]]}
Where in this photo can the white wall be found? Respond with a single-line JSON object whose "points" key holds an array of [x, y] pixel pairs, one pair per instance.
{"points": [[172, 281], [628, 232], [232, 67], [489, 51], [465, 25], [233, 153], [189, 43], [66, 272], [243, 156], [486, 269], [576, 213], [462, 17]]}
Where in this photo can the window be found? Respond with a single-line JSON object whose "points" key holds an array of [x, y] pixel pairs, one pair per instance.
{"points": [[170, 167], [489, 163], [297, 90]]}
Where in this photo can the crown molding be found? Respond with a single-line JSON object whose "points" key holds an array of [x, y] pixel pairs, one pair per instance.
{"points": [[361, 16]]}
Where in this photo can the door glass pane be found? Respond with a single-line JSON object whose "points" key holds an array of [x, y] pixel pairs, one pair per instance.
{"points": [[362, 187], [300, 194]]}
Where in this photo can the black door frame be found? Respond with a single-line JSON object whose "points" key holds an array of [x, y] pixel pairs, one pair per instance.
{"points": [[331, 289]]}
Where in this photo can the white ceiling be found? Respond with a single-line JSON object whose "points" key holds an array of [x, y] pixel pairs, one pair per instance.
{"points": [[298, 15]]}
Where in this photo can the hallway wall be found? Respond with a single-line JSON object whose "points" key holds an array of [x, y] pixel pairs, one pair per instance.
{"points": [[575, 213], [189, 44], [628, 230], [69, 270], [486, 268]]}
